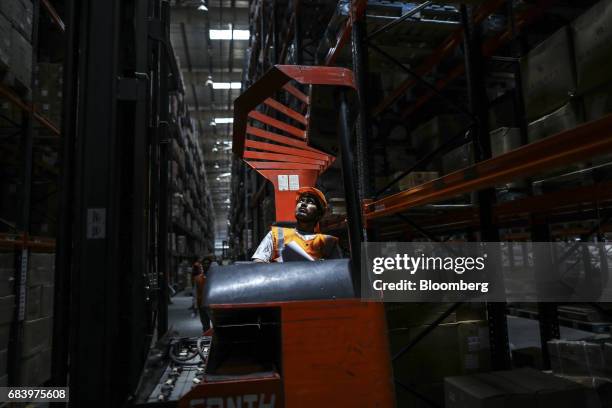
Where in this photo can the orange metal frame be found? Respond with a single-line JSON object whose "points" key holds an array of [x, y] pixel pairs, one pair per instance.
{"points": [[278, 149], [20, 241], [334, 354]]}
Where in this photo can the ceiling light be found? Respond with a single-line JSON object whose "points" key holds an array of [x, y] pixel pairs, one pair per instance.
{"points": [[227, 34], [227, 85], [218, 179], [214, 149], [202, 7], [225, 174], [216, 165], [223, 120], [209, 81], [213, 123]]}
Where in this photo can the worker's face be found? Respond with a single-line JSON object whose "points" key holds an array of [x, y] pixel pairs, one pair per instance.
{"points": [[306, 209]]}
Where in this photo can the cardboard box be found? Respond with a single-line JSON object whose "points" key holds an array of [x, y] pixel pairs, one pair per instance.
{"points": [[7, 309], [5, 43], [24, 15], [450, 349], [567, 117], [41, 269], [427, 136], [416, 178], [10, 9], [607, 351], [578, 358], [457, 159], [505, 139], [36, 335], [33, 296], [408, 315], [598, 102], [46, 301], [473, 392], [7, 273], [527, 357], [5, 333], [522, 388], [548, 75], [36, 369], [592, 35], [21, 61], [3, 361]]}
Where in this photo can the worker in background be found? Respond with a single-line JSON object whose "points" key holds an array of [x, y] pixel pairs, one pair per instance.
{"points": [[196, 269], [310, 208], [200, 282]]}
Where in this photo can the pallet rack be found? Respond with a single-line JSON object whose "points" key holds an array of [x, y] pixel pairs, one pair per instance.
{"points": [[35, 131], [429, 79]]}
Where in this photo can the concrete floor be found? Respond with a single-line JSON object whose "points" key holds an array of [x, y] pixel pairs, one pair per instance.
{"points": [[180, 317]]}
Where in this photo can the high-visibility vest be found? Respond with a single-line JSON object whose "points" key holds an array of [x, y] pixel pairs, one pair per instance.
{"points": [[319, 247]]}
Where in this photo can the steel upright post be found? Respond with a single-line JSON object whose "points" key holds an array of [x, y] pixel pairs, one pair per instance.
{"points": [[63, 252], [547, 312], [350, 192], [23, 225], [162, 245], [297, 36], [359, 52], [475, 72]]}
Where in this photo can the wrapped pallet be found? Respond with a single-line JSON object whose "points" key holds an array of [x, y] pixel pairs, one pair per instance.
{"points": [[5, 43], [567, 117], [592, 34], [21, 62], [598, 102], [548, 75], [516, 389]]}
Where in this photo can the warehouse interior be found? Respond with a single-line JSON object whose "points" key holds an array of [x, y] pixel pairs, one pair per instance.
{"points": [[139, 137]]}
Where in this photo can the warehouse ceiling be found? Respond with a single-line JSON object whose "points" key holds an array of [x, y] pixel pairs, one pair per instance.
{"points": [[212, 61]]}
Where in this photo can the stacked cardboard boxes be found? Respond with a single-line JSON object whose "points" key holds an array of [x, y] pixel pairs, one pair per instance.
{"points": [[5, 43], [581, 358], [19, 13], [48, 91], [38, 324], [7, 308], [460, 345], [522, 388], [15, 44]]}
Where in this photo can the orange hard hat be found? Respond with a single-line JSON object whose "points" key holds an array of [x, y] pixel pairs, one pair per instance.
{"points": [[316, 193]]}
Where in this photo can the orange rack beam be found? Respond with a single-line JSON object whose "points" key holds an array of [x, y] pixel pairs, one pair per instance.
{"points": [[29, 108], [581, 143]]}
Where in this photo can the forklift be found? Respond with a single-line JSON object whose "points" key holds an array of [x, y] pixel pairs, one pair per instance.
{"points": [[292, 334]]}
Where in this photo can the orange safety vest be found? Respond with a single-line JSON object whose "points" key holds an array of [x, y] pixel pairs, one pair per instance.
{"points": [[320, 247]]}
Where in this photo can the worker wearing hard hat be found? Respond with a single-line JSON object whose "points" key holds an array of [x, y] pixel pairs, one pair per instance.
{"points": [[310, 207]]}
